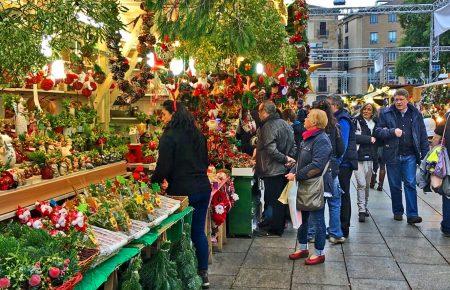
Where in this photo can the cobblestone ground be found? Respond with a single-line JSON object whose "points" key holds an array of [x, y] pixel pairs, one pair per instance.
{"points": [[379, 254]]}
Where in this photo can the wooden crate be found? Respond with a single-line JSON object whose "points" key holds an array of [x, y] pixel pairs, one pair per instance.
{"points": [[184, 202]]}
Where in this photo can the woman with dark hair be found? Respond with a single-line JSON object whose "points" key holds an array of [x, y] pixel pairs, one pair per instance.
{"points": [[183, 164], [367, 154], [333, 198]]}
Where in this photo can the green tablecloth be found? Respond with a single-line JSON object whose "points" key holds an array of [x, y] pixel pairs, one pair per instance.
{"points": [[95, 277]]}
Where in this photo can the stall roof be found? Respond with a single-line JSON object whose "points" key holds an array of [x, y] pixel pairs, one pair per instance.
{"points": [[443, 82]]}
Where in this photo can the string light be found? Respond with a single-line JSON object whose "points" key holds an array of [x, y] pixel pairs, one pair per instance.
{"points": [[259, 68], [176, 66], [58, 69], [151, 59]]}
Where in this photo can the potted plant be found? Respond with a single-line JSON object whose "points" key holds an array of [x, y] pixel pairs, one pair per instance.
{"points": [[9, 101], [40, 158]]}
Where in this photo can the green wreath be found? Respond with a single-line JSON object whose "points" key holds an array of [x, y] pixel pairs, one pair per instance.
{"points": [[248, 101], [246, 68]]}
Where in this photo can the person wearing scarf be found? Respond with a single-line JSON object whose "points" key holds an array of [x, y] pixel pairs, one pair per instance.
{"points": [[314, 154]]}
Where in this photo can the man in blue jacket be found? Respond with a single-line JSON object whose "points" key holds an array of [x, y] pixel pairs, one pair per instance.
{"points": [[402, 130], [348, 162]]}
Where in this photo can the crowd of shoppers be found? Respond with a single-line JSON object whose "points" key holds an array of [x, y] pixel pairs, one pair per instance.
{"points": [[328, 142]]}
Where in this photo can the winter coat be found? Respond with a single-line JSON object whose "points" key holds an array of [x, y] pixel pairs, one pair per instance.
{"points": [[298, 128], [337, 146], [181, 164], [275, 144], [367, 150], [385, 131], [314, 154], [350, 158]]}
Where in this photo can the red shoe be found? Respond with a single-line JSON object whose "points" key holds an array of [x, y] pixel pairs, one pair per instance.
{"points": [[318, 260], [299, 255]]}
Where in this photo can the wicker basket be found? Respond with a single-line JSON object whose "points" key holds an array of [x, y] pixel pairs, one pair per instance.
{"points": [[69, 284], [86, 258]]}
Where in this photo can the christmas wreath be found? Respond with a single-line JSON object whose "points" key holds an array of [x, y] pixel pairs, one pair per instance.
{"points": [[248, 100]]}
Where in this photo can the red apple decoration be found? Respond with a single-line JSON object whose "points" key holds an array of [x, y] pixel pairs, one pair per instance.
{"points": [[77, 85], [152, 145], [54, 272], [86, 92], [35, 280]]}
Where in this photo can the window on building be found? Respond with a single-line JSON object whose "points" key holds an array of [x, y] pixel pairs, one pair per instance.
{"points": [[346, 42], [392, 36], [322, 28], [392, 77], [373, 77], [346, 27], [373, 37], [322, 84], [373, 19], [392, 56], [392, 17]]}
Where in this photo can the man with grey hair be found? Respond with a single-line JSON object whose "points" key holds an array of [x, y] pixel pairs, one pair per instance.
{"points": [[274, 156], [405, 144]]}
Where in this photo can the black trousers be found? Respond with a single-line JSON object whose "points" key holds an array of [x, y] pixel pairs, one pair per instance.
{"points": [[273, 186], [345, 174]]}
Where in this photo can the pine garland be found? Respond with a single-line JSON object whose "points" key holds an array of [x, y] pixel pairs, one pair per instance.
{"points": [[160, 273], [131, 277], [183, 255]]}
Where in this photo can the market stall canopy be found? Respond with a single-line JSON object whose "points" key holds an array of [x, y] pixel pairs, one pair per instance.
{"points": [[376, 93], [438, 83]]}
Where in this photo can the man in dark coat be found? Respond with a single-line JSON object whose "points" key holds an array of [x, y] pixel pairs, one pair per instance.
{"points": [[402, 130], [274, 154]]}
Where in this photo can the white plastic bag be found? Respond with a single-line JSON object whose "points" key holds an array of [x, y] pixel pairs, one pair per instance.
{"points": [[289, 196]]}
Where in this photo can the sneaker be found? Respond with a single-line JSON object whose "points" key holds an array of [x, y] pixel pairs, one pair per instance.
{"points": [[205, 281], [447, 235], [362, 217], [380, 188], [398, 217], [414, 220], [336, 241], [367, 213]]}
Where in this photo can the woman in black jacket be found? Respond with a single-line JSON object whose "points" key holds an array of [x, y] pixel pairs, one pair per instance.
{"points": [[183, 164], [367, 154]]}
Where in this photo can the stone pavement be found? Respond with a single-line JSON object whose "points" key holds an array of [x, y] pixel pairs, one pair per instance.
{"points": [[379, 254]]}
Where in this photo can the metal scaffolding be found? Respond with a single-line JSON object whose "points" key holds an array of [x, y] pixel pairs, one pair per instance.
{"points": [[433, 49]]}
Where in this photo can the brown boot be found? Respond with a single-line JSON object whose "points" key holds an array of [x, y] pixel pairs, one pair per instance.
{"points": [[373, 180], [381, 179]]}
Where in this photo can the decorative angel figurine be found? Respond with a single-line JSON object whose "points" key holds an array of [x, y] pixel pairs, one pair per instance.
{"points": [[7, 152], [21, 117]]}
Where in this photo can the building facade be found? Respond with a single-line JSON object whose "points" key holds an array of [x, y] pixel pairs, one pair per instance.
{"points": [[323, 32], [353, 77]]}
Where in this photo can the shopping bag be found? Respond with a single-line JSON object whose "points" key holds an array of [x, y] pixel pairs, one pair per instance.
{"points": [[284, 194], [292, 201]]}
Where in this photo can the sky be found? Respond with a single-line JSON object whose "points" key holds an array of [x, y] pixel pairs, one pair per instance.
{"points": [[348, 3]]}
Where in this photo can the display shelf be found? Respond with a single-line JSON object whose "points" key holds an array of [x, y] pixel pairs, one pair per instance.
{"points": [[57, 188], [98, 275], [30, 91]]}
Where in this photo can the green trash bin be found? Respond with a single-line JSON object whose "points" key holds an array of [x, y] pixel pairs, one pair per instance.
{"points": [[240, 217]]}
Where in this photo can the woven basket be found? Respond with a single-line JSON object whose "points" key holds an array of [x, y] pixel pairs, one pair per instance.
{"points": [[86, 258], [69, 284]]}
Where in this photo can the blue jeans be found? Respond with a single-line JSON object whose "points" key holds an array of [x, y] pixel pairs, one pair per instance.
{"points": [[334, 209], [403, 170], [200, 203], [317, 218], [445, 224]]}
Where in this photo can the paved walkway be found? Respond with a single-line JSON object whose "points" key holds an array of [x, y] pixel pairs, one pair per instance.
{"points": [[380, 254]]}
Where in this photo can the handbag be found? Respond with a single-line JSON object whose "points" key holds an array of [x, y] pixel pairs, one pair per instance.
{"points": [[310, 192]]}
